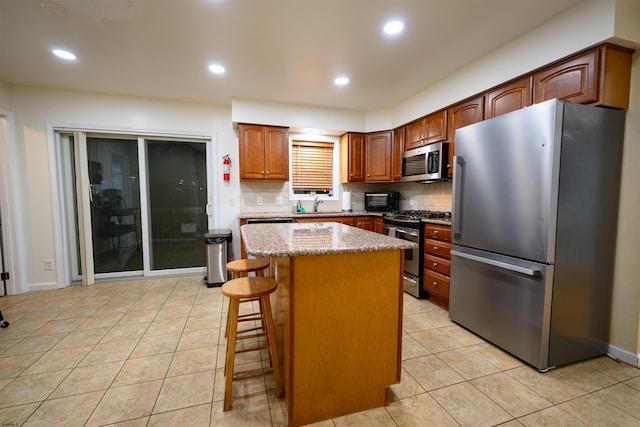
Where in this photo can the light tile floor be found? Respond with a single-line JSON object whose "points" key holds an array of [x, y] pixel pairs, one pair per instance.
{"points": [[150, 352]]}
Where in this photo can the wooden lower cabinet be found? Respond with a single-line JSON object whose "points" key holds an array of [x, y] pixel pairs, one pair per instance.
{"points": [[377, 224], [365, 223], [437, 263]]}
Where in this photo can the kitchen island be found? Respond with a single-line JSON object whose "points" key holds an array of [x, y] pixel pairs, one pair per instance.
{"points": [[338, 314]]}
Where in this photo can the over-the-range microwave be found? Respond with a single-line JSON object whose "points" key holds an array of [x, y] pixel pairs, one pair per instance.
{"points": [[426, 164]]}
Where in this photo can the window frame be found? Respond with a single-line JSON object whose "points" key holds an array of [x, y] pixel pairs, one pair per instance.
{"points": [[335, 186]]}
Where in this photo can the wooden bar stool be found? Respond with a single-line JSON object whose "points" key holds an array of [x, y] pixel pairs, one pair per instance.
{"points": [[240, 268], [241, 289]]}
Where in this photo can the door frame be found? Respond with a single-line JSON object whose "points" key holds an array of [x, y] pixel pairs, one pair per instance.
{"points": [[60, 227], [13, 247]]}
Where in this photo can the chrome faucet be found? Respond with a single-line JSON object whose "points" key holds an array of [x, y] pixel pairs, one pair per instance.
{"points": [[316, 202]]}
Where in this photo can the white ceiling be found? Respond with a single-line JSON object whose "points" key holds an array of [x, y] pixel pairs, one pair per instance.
{"points": [[274, 50]]}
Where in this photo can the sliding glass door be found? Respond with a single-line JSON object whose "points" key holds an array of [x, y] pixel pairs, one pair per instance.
{"points": [[115, 204], [134, 206], [177, 203]]}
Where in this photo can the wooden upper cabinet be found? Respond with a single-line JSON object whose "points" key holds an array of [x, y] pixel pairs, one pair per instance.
{"points": [[264, 152], [508, 97], [574, 79], [463, 114], [601, 76], [427, 130], [352, 157], [413, 134], [251, 142], [378, 156], [436, 127], [276, 153], [398, 148]]}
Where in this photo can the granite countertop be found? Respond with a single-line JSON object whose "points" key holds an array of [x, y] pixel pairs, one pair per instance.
{"points": [[263, 215], [439, 221], [336, 214], [320, 238]]}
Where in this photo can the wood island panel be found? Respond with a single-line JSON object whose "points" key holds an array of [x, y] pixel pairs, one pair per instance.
{"points": [[339, 331]]}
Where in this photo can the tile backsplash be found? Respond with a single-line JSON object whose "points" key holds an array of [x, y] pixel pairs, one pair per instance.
{"points": [[435, 196]]}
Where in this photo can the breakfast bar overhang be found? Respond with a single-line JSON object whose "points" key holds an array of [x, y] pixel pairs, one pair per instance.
{"points": [[337, 312]]}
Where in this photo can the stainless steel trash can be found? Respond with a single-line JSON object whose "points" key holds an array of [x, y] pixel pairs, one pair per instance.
{"points": [[217, 254]]}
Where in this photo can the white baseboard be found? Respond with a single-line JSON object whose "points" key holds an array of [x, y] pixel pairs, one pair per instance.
{"points": [[624, 356], [41, 286]]}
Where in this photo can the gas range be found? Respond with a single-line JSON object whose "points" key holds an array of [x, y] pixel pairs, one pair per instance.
{"points": [[412, 218]]}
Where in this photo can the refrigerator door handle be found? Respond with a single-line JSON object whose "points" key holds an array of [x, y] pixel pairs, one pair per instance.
{"points": [[458, 162], [499, 264]]}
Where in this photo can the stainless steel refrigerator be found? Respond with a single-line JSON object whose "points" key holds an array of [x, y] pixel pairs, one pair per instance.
{"points": [[534, 220]]}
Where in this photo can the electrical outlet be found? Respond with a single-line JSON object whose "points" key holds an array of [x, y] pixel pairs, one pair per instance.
{"points": [[278, 201], [259, 201], [48, 265]]}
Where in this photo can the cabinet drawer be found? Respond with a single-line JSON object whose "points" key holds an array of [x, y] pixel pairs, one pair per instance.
{"points": [[438, 232], [437, 248], [436, 283], [438, 264]]}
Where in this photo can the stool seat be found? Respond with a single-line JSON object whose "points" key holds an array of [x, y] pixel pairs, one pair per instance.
{"points": [[249, 287], [241, 290], [247, 266]]}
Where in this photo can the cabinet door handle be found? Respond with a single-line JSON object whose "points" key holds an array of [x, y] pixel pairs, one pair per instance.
{"points": [[435, 264], [435, 284], [435, 231], [435, 248]]}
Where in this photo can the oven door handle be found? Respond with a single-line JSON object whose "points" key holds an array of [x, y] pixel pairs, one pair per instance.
{"points": [[409, 279], [401, 231]]}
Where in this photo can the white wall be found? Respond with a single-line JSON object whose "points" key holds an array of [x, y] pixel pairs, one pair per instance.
{"points": [[625, 326], [35, 108], [5, 92], [297, 116], [587, 24]]}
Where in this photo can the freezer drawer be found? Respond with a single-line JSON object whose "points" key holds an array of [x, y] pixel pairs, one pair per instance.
{"points": [[505, 300]]}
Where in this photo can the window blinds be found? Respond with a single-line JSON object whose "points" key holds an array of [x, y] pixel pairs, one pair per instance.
{"points": [[312, 166]]}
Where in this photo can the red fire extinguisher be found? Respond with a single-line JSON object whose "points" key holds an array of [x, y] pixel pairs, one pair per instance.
{"points": [[226, 166]]}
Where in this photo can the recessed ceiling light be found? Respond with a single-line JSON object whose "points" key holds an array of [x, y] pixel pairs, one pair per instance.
{"points": [[393, 27], [64, 54], [341, 80], [217, 69]]}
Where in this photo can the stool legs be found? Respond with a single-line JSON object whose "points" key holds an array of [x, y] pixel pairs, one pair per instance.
{"points": [[267, 323], [231, 351], [271, 335]]}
